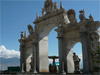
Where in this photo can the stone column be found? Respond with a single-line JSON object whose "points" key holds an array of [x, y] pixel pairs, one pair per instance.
{"points": [[43, 55], [22, 57], [61, 52], [85, 51], [34, 58]]}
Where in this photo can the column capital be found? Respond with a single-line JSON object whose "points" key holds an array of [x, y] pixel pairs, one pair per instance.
{"points": [[60, 37], [22, 44], [83, 33], [34, 41]]}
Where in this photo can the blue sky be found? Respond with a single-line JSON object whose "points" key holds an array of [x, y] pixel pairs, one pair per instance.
{"points": [[17, 14]]}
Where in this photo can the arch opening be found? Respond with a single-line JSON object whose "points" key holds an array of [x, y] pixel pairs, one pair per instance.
{"points": [[53, 43], [53, 55], [43, 46]]}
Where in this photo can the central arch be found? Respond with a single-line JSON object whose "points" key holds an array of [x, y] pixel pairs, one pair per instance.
{"points": [[43, 26]]}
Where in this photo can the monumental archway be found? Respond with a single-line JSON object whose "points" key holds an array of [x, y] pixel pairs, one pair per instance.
{"points": [[69, 32]]}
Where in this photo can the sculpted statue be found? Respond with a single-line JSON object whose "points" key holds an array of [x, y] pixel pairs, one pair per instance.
{"points": [[48, 6], [91, 18], [96, 59], [42, 11], [31, 64], [71, 15], [76, 63], [48, 3], [94, 38], [82, 15], [30, 29], [55, 6]]}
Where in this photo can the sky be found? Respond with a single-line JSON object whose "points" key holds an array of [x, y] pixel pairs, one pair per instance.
{"points": [[15, 15]]}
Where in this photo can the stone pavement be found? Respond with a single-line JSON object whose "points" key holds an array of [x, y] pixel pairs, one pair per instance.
{"points": [[50, 74]]}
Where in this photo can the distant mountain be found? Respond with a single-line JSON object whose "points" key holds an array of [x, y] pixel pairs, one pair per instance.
{"points": [[6, 62]]}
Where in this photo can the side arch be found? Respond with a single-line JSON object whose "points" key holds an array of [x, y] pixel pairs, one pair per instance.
{"points": [[43, 48]]}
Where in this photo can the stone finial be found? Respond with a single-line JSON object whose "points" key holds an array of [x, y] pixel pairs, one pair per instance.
{"points": [[55, 5], [91, 18], [43, 11], [82, 15], [25, 34], [84, 12], [21, 35], [37, 16], [61, 6], [30, 29]]}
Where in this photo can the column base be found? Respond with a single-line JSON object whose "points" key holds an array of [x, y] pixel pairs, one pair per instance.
{"points": [[34, 71], [86, 72], [63, 72]]}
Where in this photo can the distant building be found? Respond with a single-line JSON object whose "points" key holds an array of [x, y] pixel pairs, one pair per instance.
{"points": [[14, 69]]}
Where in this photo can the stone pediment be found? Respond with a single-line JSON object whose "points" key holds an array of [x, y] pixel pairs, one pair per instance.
{"points": [[72, 26], [50, 15]]}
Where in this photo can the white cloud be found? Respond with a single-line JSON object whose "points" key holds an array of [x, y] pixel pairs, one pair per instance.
{"points": [[6, 53], [50, 61]]}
